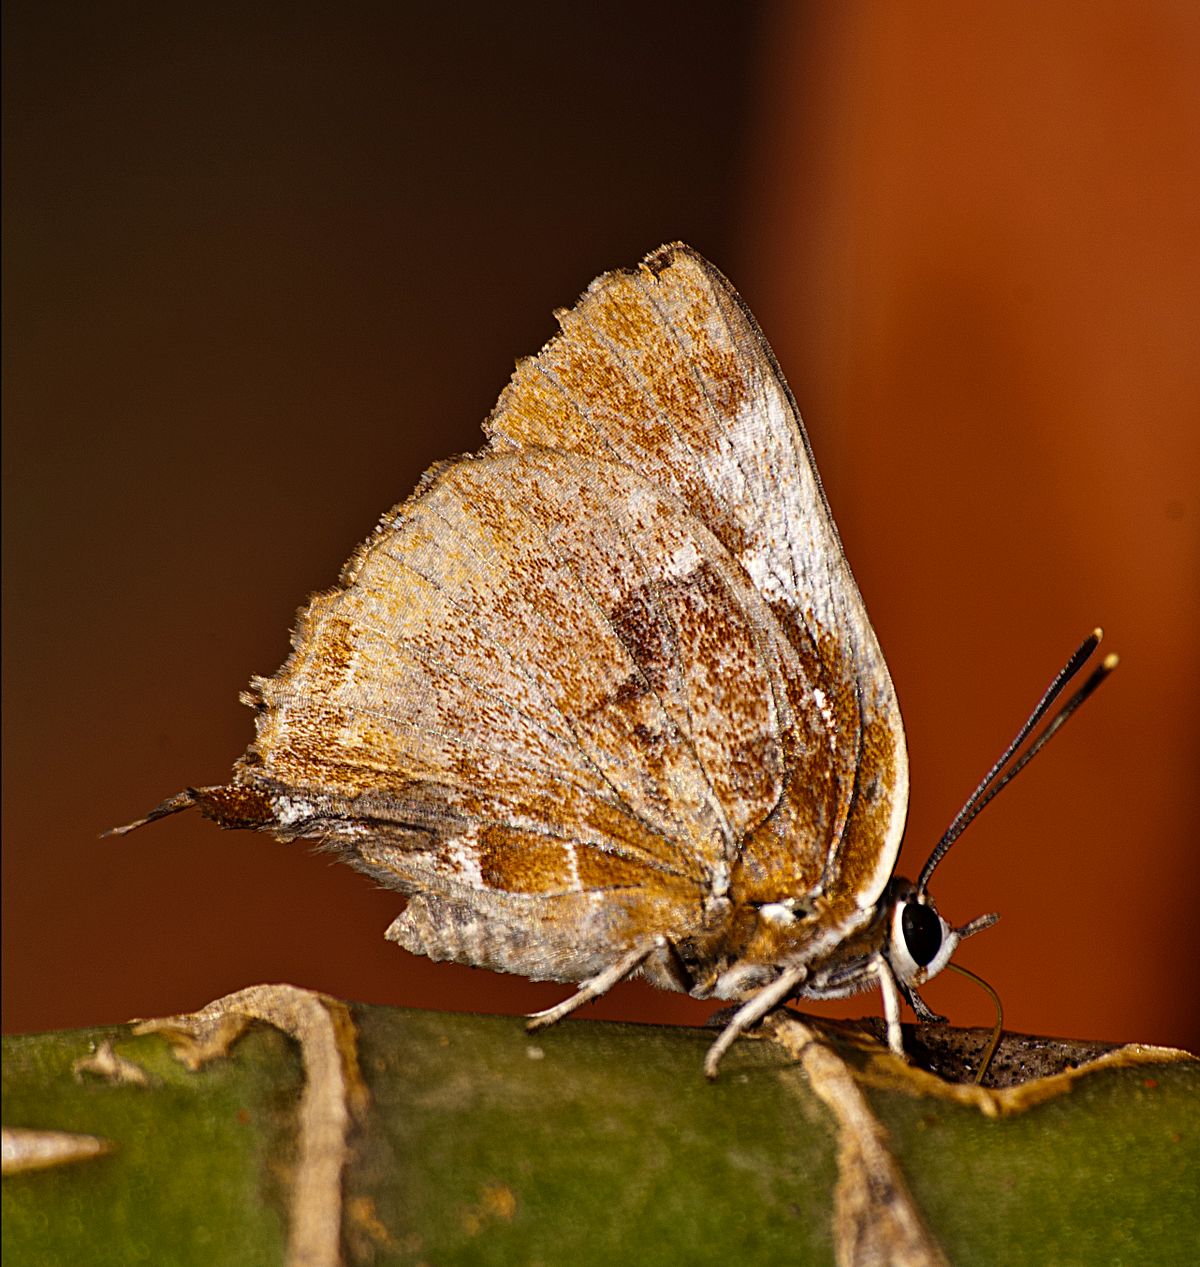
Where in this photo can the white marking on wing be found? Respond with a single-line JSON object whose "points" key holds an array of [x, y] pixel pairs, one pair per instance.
{"points": [[290, 810], [462, 853], [682, 562], [573, 862]]}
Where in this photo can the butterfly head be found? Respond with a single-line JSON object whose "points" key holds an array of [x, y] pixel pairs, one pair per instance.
{"points": [[920, 943]]}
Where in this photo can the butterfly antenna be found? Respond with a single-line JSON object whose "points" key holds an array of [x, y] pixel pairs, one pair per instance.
{"points": [[1006, 769]]}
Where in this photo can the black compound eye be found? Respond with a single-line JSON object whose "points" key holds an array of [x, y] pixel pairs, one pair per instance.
{"points": [[922, 932]]}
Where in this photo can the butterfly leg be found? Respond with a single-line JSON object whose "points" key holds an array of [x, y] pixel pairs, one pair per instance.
{"points": [[595, 986], [891, 1004], [751, 1012]]}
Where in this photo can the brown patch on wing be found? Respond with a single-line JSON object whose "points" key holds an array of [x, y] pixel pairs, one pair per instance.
{"points": [[236, 806], [840, 796], [662, 368], [856, 861], [638, 375], [680, 608], [520, 863]]}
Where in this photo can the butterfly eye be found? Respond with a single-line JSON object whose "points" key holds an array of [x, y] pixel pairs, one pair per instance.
{"points": [[922, 931]]}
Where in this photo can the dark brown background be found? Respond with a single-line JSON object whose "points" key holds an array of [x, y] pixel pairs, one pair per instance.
{"points": [[263, 267]]}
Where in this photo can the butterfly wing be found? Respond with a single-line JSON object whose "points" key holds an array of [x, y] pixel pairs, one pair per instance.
{"points": [[662, 368], [587, 685], [544, 695]]}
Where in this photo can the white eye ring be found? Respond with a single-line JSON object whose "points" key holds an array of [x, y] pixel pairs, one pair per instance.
{"points": [[903, 964]]}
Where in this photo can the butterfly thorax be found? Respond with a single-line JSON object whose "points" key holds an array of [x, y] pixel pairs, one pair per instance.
{"points": [[778, 936], [741, 945]]}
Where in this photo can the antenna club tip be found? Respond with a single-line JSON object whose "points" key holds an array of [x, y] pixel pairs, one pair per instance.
{"points": [[1110, 662], [1098, 634]]}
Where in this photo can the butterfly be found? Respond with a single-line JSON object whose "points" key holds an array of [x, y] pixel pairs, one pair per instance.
{"points": [[603, 698]]}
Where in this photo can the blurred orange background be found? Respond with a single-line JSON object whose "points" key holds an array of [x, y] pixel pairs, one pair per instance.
{"points": [[263, 267]]}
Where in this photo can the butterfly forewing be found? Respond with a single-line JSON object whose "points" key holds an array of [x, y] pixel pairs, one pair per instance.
{"points": [[663, 369]]}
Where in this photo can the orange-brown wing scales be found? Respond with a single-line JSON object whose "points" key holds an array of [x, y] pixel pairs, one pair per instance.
{"points": [[662, 369], [696, 632], [545, 678]]}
